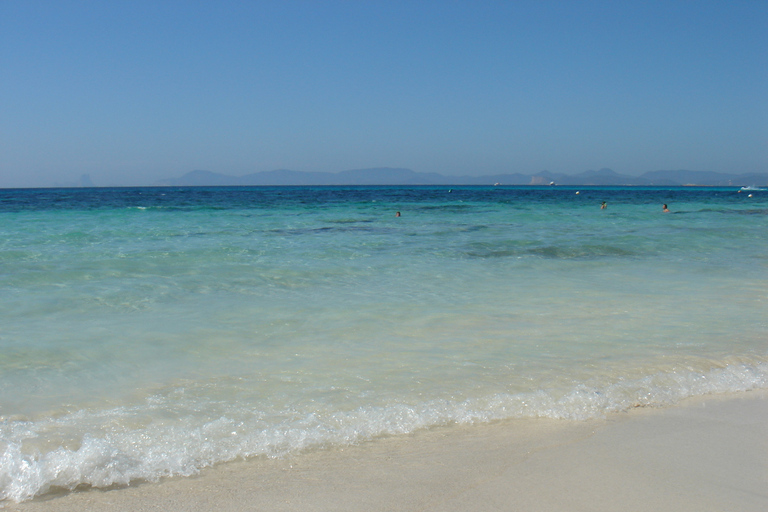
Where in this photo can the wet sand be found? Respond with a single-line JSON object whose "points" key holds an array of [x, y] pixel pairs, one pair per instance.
{"points": [[706, 454]]}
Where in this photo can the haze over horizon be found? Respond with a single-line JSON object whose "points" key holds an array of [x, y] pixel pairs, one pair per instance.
{"points": [[135, 92]]}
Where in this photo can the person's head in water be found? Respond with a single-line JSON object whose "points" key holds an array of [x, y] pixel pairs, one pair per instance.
{"points": [[665, 209], [397, 214], [603, 206]]}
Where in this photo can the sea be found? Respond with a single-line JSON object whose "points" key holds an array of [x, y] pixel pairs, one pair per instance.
{"points": [[154, 332]]}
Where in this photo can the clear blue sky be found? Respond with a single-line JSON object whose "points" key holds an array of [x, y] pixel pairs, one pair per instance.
{"points": [[133, 91]]}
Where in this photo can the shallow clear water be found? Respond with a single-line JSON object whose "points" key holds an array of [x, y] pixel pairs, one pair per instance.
{"points": [[151, 332]]}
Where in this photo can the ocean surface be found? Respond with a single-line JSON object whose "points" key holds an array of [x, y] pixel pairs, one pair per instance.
{"points": [[148, 332]]}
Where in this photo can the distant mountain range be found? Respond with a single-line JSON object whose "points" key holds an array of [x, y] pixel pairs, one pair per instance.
{"points": [[84, 181], [395, 176]]}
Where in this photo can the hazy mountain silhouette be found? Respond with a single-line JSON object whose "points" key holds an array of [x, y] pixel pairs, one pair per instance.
{"points": [[84, 181], [398, 176]]}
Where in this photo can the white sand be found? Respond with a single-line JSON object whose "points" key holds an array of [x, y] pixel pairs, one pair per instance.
{"points": [[704, 455]]}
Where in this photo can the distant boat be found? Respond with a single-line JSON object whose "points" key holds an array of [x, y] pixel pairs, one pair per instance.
{"points": [[751, 187], [551, 183]]}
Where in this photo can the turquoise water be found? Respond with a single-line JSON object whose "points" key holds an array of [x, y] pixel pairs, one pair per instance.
{"points": [[154, 332]]}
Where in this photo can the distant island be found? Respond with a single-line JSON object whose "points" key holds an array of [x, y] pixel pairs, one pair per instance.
{"points": [[396, 176]]}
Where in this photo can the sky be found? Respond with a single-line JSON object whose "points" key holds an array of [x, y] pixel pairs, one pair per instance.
{"points": [[131, 92]]}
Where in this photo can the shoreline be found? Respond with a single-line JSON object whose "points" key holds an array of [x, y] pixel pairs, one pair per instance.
{"points": [[706, 453]]}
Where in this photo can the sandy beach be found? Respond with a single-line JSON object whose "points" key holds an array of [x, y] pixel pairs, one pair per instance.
{"points": [[705, 454]]}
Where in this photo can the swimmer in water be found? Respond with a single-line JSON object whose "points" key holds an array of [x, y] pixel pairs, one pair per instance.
{"points": [[665, 209], [397, 214], [603, 206]]}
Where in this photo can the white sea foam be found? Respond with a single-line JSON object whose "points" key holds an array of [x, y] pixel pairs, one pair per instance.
{"points": [[119, 454]]}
